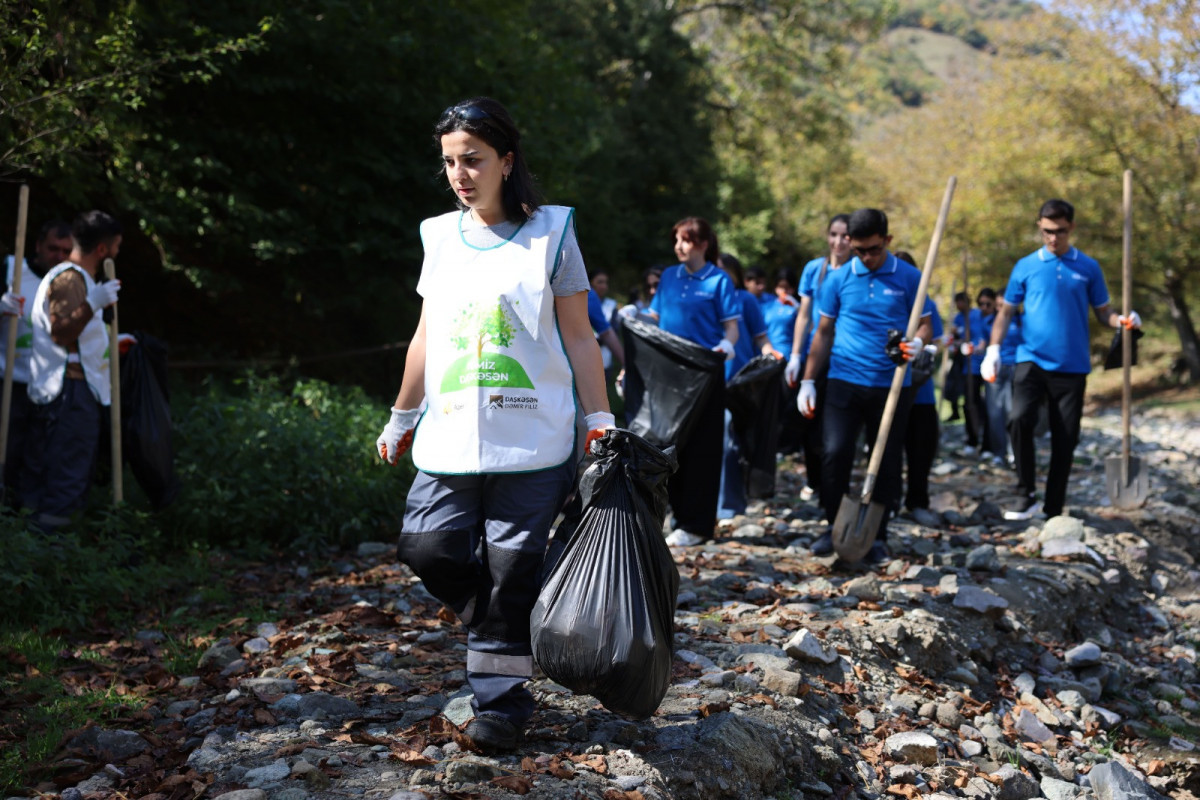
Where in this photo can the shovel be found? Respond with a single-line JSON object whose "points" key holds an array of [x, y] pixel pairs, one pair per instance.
{"points": [[858, 520], [1128, 484], [10, 350], [114, 354]]}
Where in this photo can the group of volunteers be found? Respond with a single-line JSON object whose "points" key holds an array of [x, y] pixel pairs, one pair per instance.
{"points": [[60, 371]]}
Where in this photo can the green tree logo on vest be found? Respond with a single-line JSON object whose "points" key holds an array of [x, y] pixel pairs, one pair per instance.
{"points": [[473, 328]]}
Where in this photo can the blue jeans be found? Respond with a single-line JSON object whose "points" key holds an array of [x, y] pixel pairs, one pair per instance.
{"points": [[998, 397], [732, 498]]}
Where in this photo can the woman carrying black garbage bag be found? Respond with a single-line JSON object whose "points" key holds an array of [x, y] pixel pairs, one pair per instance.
{"points": [[501, 358], [697, 301]]}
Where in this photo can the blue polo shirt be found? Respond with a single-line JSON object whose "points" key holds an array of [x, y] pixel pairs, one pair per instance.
{"points": [[810, 287], [694, 305], [865, 305], [596, 315], [750, 325], [1012, 338], [981, 331], [1058, 293], [781, 321], [925, 396]]}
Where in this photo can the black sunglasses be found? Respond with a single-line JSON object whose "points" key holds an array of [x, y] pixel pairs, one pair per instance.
{"points": [[873, 250], [466, 113]]}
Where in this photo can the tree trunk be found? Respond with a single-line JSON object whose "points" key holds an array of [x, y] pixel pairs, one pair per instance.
{"points": [[1183, 324]]}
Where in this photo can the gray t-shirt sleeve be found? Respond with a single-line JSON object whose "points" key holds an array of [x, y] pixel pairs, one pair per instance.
{"points": [[570, 276]]}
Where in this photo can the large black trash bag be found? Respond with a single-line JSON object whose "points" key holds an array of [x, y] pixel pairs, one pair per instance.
{"points": [[667, 382], [146, 419], [753, 399], [603, 622]]}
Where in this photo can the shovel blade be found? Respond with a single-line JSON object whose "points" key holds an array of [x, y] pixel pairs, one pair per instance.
{"points": [[855, 527], [1122, 493]]}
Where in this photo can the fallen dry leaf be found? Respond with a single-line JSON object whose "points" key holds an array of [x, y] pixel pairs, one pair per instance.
{"points": [[514, 783]]}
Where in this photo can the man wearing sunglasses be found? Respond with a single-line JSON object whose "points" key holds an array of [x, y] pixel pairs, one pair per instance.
{"points": [[859, 304], [1057, 284]]}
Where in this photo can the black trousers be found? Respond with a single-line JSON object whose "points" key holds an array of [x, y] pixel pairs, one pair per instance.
{"points": [[975, 410], [694, 487], [849, 409], [920, 448], [814, 445], [1033, 385]]}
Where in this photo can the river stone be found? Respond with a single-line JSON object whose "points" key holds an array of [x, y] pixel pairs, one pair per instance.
{"points": [[864, 588], [913, 746], [306, 706], [1062, 528], [220, 655], [267, 686], [1030, 727], [1084, 655], [1054, 789], [781, 681], [1015, 785], [1112, 781], [805, 646], [980, 600], [271, 773], [458, 710], [983, 558], [243, 794], [970, 748], [109, 745], [471, 771]]}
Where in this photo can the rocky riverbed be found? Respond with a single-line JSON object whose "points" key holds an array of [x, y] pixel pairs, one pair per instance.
{"points": [[989, 659]]}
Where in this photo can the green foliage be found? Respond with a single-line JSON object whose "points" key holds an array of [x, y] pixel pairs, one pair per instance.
{"points": [[269, 466]]}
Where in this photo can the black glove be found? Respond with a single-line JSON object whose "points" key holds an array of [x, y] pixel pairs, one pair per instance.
{"points": [[921, 367], [893, 347]]}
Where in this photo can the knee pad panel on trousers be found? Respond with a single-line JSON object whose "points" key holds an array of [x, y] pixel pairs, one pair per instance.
{"points": [[444, 561], [516, 582]]}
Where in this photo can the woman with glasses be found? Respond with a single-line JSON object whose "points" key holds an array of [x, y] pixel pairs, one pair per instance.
{"points": [[488, 406], [697, 301]]}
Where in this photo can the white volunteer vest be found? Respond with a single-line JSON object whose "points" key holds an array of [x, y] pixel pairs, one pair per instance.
{"points": [[48, 366], [498, 384], [24, 349]]}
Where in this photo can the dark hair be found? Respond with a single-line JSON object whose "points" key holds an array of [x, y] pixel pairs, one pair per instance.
{"points": [[695, 230], [596, 273], [987, 292], [59, 227], [731, 264], [838, 218], [961, 296], [1057, 209], [904, 255], [93, 228], [867, 222], [490, 121], [789, 275], [756, 272]]}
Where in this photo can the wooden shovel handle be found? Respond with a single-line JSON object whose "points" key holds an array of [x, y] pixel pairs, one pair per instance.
{"points": [[914, 321], [114, 369], [1126, 334], [10, 347]]}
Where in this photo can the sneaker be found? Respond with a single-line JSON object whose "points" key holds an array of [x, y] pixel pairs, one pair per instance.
{"points": [[996, 461], [823, 546], [682, 538], [807, 493], [968, 450], [1025, 508], [878, 554], [492, 733]]}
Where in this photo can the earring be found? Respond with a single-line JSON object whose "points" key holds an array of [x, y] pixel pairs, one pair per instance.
{"points": [[506, 177]]}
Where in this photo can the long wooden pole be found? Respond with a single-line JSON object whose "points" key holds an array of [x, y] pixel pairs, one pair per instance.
{"points": [[1126, 334], [114, 369], [10, 348]]}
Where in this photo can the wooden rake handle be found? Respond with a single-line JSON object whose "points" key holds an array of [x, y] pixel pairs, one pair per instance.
{"points": [[114, 369], [10, 347]]}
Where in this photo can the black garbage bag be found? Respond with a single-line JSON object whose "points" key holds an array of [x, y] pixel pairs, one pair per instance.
{"points": [[753, 399], [667, 382], [603, 622], [146, 419], [1115, 358]]}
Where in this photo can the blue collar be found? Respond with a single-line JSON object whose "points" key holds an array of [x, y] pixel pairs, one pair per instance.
{"points": [[701, 274], [888, 267], [1046, 255]]}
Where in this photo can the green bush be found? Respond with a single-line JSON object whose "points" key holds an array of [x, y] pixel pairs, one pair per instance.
{"points": [[263, 465]]}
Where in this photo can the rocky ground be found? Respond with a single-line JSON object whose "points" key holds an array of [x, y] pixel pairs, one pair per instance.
{"points": [[988, 660]]}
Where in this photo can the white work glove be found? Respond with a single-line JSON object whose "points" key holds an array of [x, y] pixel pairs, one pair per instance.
{"points": [[967, 349], [102, 295], [597, 423], [1134, 320], [725, 346], [12, 305], [628, 312], [397, 436], [991, 362], [806, 401], [791, 373]]}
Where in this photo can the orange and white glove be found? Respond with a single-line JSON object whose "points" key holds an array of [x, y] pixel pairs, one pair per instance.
{"points": [[12, 305], [791, 373], [967, 349], [911, 347], [1134, 320], [991, 362], [125, 341], [725, 346], [597, 423], [806, 401], [397, 436]]}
